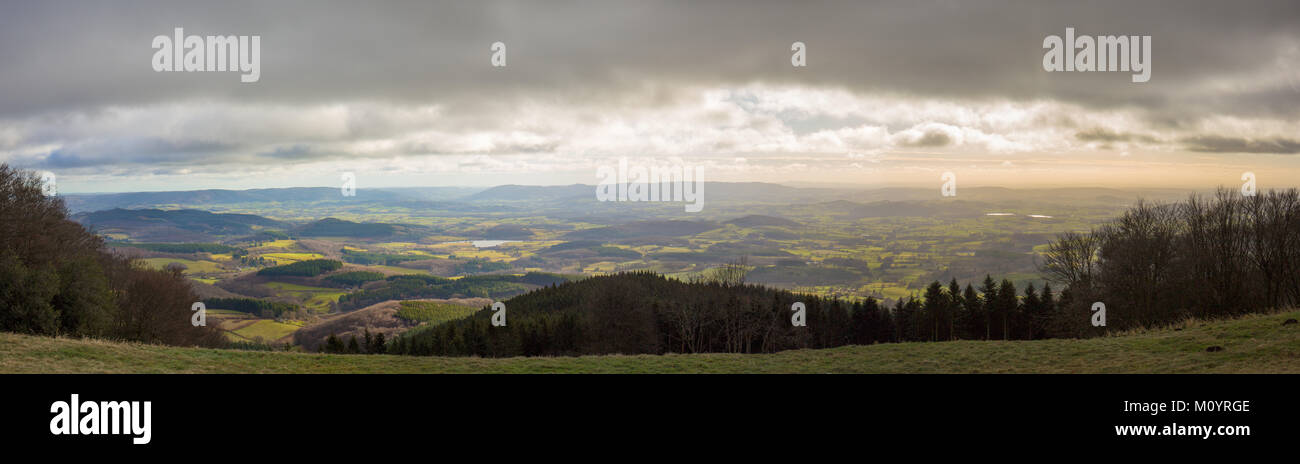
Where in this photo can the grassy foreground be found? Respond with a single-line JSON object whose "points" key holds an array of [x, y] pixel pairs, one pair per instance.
{"points": [[1256, 344]]}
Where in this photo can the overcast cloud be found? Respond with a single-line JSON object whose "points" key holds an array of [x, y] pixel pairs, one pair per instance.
{"points": [[408, 86]]}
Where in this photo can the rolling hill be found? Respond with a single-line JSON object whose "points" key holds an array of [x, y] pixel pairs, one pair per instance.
{"points": [[173, 225], [671, 228], [1251, 344], [378, 318], [758, 220], [201, 198], [334, 227]]}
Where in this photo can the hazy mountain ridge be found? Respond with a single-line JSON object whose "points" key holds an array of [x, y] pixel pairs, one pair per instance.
{"points": [[581, 195], [174, 225], [81, 202]]}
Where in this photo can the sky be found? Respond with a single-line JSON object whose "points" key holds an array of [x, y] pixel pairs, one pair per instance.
{"points": [[892, 94]]}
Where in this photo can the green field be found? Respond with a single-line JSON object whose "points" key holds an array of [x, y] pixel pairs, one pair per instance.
{"points": [[1252, 344], [397, 270], [314, 298], [269, 330], [191, 266]]}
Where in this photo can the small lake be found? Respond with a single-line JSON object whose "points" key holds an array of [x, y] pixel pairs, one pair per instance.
{"points": [[485, 243]]}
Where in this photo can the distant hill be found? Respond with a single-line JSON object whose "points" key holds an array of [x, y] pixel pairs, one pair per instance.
{"points": [[207, 291], [670, 228], [506, 232], [79, 202], [755, 220], [889, 208], [580, 198], [332, 227], [173, 225], [1003, 194], [534, 193]]}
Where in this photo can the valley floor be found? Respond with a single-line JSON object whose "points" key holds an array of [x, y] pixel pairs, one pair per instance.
{"points": [[1252, 344]]}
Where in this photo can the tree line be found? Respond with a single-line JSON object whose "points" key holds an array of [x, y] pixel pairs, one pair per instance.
{"points": [[370, 344], [415, 286], [256, 307], [354, 278], [647, 313], [305, 268], [1211, 256], [57, 278]]}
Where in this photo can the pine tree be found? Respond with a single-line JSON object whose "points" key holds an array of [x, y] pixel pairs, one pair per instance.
{"points": [[914, 309], [935, 303], [378, 345], [990, 293], [954, 308], [861, 323], [1031, 313], [901, 321], [332, 344], [1048, 300], [885, 328], [973, 312], [1006, 305], [837, 326]]}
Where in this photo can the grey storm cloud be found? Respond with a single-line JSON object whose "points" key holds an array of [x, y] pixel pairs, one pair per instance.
{"points": [[1101, 134], [930, 139], [1217, 144], [135, 150], [297, 151], [60, 56]]}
